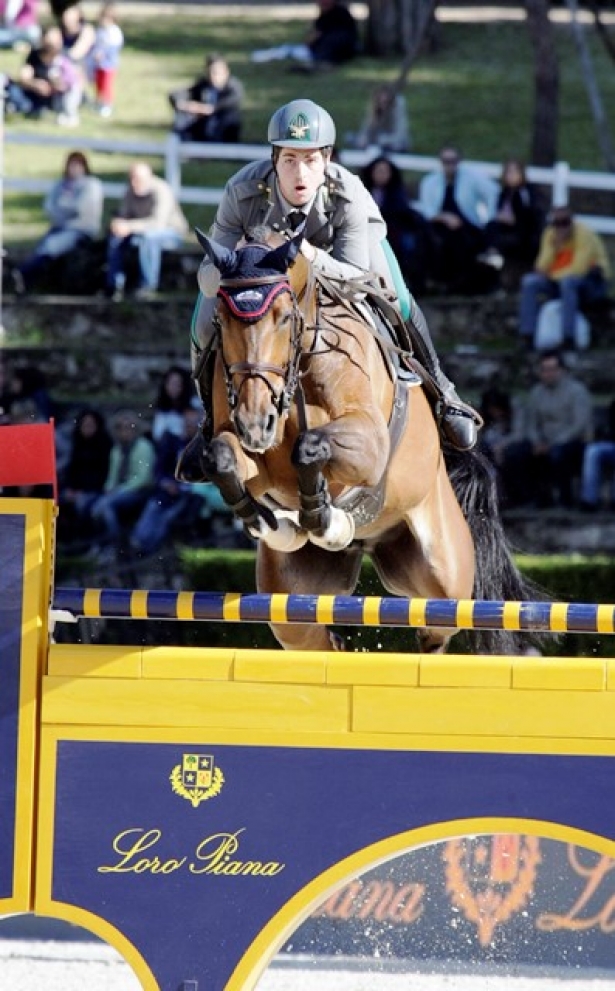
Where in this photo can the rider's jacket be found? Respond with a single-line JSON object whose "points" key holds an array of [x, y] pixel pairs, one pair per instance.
{"points": [[344, 222]]}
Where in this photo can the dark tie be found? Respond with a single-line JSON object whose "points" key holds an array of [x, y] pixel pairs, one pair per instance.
{"points": [[295, 219]]}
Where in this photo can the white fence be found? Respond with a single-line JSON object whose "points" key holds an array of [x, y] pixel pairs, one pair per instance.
{"points": [[560, 179]]}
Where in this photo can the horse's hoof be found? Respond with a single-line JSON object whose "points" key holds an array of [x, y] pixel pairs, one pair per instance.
{"points": [[286, 538], [339, 533]]}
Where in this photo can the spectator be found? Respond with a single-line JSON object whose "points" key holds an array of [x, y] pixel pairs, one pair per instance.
{"points": [[74, 206], [210, 110], [129, 481], [169, 499], [572, 266], [78, 35], [514, 232], [559, 422], [19, 23], [333, 39], [103, 58], [458, 200], [27, 383], [406, 227], [385, 124], [150, 219], [175, 395], [502, 429], [598, 464], [86, 471], [46, 82]]}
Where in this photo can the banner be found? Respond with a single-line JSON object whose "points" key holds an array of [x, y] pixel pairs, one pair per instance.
{"points": [[506, 898]]}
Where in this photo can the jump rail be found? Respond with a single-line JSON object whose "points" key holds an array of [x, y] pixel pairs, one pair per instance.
{"points": [[229, 607]]}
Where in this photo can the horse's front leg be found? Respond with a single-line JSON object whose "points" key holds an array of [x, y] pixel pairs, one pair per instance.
{"points": [[227, 466], [326, 525]]}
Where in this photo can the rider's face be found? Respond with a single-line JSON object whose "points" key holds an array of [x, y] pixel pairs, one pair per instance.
{"points": [[300, 173]]}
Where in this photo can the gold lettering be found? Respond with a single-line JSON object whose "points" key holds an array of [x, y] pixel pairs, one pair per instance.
{"points": [[593, 876], [215, 853], [129, 850]]}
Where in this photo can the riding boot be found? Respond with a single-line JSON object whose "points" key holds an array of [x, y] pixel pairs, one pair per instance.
{"points": [[190, 466], [459, 423]]}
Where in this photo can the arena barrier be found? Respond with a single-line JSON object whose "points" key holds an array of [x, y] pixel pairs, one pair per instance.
{"points": [[192, 806]]}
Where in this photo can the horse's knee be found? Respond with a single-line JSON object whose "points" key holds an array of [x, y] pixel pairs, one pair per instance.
{"points": [[219, 458], [312, 450]]}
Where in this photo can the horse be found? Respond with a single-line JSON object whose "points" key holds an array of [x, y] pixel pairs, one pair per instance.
{"points": [[328, 450]]}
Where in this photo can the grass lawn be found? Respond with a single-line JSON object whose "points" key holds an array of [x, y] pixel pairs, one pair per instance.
{"points": [[475, 89]]}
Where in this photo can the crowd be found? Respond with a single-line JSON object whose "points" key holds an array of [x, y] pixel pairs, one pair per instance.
{"points": [[555, 446], [458, 231], [118, 495]]}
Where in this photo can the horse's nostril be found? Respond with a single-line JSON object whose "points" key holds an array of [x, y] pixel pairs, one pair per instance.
{"points": [[271, 421]]}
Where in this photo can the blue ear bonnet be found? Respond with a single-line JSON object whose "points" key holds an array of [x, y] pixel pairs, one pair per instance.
{"points": [[241, 288]]}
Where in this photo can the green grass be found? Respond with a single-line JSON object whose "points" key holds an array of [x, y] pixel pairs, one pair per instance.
{"points": [[476, 90]]}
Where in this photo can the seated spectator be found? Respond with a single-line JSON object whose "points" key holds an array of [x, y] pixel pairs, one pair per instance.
{"points": [[572, 266], [129, 480], [27, 383], [210, 109], [103, 58], [19, 23], [332, 39], [170, 499], [502, 427], [558, 424], [406, 227], [458, 200], [385, 124], [47, 81], [175, 395], [149, 219], [74, 206], [598, 466], [513, 234], [86, 471]]}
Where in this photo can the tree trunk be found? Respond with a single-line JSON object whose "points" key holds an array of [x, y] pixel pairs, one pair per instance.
{"points": [[395, 26], [546, 84], [601, 123]]}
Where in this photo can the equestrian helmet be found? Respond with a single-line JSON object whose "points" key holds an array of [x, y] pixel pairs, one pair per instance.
{"points": [[301, 124]]}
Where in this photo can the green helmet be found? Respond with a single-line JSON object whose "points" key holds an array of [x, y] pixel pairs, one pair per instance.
{"points": [[301, 124]]}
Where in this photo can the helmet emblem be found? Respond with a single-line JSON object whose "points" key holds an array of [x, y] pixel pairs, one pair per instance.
{"points": [[299, 128]]}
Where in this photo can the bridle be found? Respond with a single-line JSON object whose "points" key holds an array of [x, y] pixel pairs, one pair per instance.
{"points": [[230, 292]]}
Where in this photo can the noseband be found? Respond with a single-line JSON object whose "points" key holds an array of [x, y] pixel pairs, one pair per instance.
{"points": [[249, 300]]}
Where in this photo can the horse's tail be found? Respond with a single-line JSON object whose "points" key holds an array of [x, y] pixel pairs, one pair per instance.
{"points": [[497, 576]]}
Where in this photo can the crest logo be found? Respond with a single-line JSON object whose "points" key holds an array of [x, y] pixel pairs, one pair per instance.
{"points": [[299, 128], [197, 778], [490, 878]]}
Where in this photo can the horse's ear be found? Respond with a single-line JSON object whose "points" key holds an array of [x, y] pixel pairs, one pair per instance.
{"points": [[224, 259], [284, 256]]}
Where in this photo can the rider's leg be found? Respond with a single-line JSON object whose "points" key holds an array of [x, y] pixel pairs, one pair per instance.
{"points": [[203, 358], [459, 422]]}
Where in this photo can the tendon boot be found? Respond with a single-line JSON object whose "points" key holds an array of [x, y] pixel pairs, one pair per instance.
{"points": [[190, 463], [458, 422]]}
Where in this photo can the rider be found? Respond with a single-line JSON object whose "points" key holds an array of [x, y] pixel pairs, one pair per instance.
{"points": [[344, 237]]}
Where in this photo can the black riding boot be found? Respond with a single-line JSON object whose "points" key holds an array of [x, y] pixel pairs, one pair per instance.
{"points": [[190, 462], [459, 423]]}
